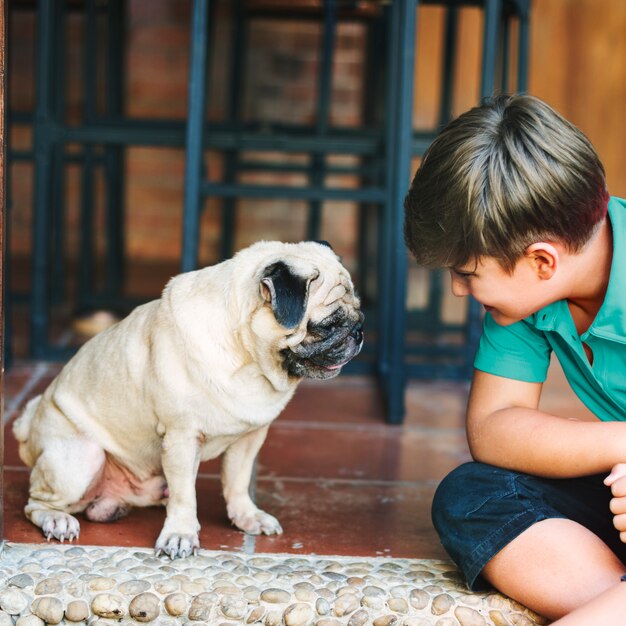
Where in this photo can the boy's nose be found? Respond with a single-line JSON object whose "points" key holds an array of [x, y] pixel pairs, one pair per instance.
{"points": [[459, 286]]}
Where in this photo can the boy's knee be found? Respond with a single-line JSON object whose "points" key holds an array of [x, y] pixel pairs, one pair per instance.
{"points": [[448, 496], [469, 507], [463, 492]]}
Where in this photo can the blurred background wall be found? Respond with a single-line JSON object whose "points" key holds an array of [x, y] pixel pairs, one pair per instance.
{"points": [[577, 64]]}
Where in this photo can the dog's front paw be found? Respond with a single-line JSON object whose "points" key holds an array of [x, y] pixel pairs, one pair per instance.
{"points": [[59, 525], [256, 522], [176, 546]]}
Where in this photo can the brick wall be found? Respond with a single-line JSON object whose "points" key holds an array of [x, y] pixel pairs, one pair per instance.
{"points": [[583, 82], [281, 86]]}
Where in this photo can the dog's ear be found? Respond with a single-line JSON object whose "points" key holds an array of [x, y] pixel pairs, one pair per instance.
{"points": [[323, 242], [287, 292]]}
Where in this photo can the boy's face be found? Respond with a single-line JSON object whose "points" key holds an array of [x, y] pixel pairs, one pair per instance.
{"points": [[508, 297]]}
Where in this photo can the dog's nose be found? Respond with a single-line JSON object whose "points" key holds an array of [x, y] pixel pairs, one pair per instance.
{"points": [[357, 332]]}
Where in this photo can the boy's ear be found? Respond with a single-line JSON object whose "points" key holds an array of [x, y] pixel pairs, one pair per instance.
{"points": [[544, 258]]}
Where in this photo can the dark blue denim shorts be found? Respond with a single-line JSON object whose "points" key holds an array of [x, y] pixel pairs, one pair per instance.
{"points": [[478, 509]]}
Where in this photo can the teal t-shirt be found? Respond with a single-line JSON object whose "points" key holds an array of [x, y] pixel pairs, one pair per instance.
{"points": [[522, 350]]}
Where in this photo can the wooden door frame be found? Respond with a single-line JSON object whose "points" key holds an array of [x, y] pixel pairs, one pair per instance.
{"points": [[3, 251]]}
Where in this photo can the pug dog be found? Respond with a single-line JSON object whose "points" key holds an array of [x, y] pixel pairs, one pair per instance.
{"points": [[198, 373]]}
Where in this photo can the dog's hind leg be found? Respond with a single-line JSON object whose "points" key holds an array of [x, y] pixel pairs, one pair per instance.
{"points": [[236, 474], [21, 430], [60, 478]]}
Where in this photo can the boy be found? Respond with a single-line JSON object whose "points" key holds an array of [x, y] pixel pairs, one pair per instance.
{"points": [[512, 199]]}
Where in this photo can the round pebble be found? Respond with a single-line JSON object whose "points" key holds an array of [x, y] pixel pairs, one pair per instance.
{"points": [[101, 583], [399, 605], [21, 581], [469, 617], [323, 592], [275, 596], [144, 607], [305, 595], [386, 620], [166, 586], [194, 589], [251, 593], [372, 590], [234, 607], [256, 615], [13, 601], [498, 618], [419, 599], [75, 588], [346, 604], [108, 605], [176, 603], [360, 618], [400, 591], [47, 608], [375, 603], [76, 611], [5, 619], [201, 606], [298, 614], [133, 587], [347, 589], [322, 606], [48, 586], [442, 603]]}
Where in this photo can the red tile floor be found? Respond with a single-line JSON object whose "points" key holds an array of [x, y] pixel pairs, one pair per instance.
{"points": [[340, 480]]}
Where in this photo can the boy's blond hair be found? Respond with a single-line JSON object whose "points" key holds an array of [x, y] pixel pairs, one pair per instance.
{"points": [[500, 177]]}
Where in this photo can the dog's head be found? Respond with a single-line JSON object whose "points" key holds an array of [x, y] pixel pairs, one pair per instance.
{"points": [[309, 316]]}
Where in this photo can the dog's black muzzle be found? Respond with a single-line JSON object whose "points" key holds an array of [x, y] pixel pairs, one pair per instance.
{"points": [[329, 345]]}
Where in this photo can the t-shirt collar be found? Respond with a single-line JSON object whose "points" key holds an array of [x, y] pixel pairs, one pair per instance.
{"points": [[610, 322]]}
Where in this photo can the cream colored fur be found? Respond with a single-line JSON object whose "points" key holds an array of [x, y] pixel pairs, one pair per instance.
{"points": [[182, 379]]}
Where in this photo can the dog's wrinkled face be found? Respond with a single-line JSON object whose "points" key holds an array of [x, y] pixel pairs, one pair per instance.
{"points": [[328, 346], [312, 298]]}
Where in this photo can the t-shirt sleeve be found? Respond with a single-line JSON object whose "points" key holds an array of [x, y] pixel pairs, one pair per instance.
{"points": [[517, 351]]}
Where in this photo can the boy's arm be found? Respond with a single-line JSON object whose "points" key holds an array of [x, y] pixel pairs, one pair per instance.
{"points": [[505, 428]]}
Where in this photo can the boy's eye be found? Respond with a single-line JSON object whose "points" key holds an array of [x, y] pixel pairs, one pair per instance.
{"points": [[462, 274]]}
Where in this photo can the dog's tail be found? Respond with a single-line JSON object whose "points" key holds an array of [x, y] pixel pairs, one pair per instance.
{"points": [[21, 429]]}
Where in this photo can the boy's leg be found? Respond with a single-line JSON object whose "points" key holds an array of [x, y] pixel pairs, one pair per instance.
{"points": [[607, 608], [550, 544], [554, 567]]}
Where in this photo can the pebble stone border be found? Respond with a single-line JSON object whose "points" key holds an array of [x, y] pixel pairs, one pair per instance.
{"points": [[98, 586]]}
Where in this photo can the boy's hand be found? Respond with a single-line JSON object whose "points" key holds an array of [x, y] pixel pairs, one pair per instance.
{"points": [[616, 480]]}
